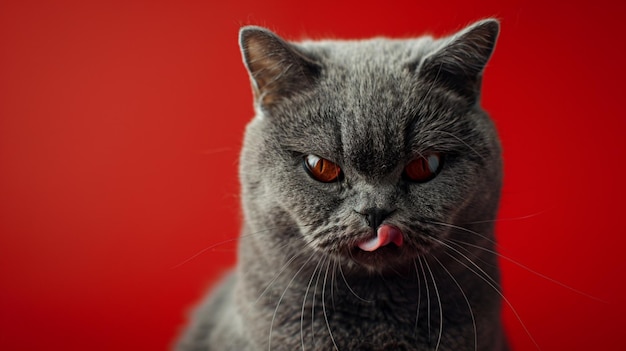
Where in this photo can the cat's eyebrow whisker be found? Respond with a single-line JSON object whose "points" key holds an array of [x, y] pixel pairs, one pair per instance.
{"points": [[459, 243], [469, 306], [430, 88], [460, 140], [490, 281]]}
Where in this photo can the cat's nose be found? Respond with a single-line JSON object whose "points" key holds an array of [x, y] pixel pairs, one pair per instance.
{"points": [[375, 216]]}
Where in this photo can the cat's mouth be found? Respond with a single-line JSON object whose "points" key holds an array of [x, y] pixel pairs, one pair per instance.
{"points": [[385, 235], [380, 250]]}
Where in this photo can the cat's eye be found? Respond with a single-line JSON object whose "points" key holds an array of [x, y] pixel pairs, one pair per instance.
{"points": [[321, 169], [423, 168]]}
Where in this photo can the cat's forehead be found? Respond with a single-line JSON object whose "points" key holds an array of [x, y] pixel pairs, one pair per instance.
{"points": [[369, 78], [366, 105], [371, 95], [373, 123], [378, 53]]}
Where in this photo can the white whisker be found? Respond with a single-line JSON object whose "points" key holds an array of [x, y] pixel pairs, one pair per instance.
{"points": [[520, 218], [317, 280], [210, 247], [469, 306], [324, 305], [490, 281], [306, 293], [419, 296], [280, 271], [521, 265], [269, 345], [332, 284], [220, 243], [350, 288], [461, 140], [432, 277], [463, 229], [427, 295]]}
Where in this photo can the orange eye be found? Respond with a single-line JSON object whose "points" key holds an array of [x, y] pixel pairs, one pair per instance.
{"points": [[423, 168], [321, 169]]}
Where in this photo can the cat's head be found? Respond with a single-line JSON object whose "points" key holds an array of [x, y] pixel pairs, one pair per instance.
{"points": [[373, 151]]}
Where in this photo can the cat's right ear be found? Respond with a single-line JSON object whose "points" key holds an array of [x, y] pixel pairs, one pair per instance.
{"points": [[277, 69], [459, 63]]}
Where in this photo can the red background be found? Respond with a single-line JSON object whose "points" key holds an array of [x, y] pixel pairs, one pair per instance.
{"points": [[121, 123]]}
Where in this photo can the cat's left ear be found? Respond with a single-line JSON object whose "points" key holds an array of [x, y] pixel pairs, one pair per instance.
{"points": [[278, 69], [458, 65]]}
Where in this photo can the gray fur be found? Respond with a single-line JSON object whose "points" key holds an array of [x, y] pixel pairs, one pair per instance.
{"points": [[371, 107]]}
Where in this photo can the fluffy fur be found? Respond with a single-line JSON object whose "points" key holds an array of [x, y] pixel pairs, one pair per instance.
{"points": [[371, 107]]}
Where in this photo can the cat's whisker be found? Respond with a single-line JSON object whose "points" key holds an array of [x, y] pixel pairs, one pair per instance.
{"points": [[490, 281], [470, 255], [506, 219], [197, 254], [350, 288], [280, 271], [333, 281], [437, 295], [427, 295], [488, 278], [469, 306], [460, 140], [330, 332], [460, 244], [281, 299], [419, 295], [317, 280], [306, 293], [462, 229], [424, 97], [223, 242]]}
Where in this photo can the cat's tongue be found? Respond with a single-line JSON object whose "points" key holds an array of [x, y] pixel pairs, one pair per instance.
{"points": [[385, 235]]}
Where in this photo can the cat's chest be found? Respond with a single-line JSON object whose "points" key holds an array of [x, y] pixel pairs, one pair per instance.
{"points": [[366, 325], [343, 330], [351, 331]]}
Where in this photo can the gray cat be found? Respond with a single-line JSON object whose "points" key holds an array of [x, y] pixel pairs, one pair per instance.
{"points": [[370, 184]]}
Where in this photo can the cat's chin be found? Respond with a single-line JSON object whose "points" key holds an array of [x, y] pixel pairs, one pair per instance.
{"points": [[389, 258]]}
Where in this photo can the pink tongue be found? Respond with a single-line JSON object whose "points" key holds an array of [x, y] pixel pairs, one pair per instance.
{"points": [[385, 235]]}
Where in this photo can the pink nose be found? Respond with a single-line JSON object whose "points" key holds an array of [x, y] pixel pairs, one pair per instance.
{"points": [[385, 235]]}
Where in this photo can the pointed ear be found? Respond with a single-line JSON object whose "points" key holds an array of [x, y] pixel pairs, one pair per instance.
{"points": [[459, 63], [277, 69]]}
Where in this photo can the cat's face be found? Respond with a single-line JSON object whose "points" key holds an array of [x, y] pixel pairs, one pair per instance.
{"points": [[371, 152]]}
